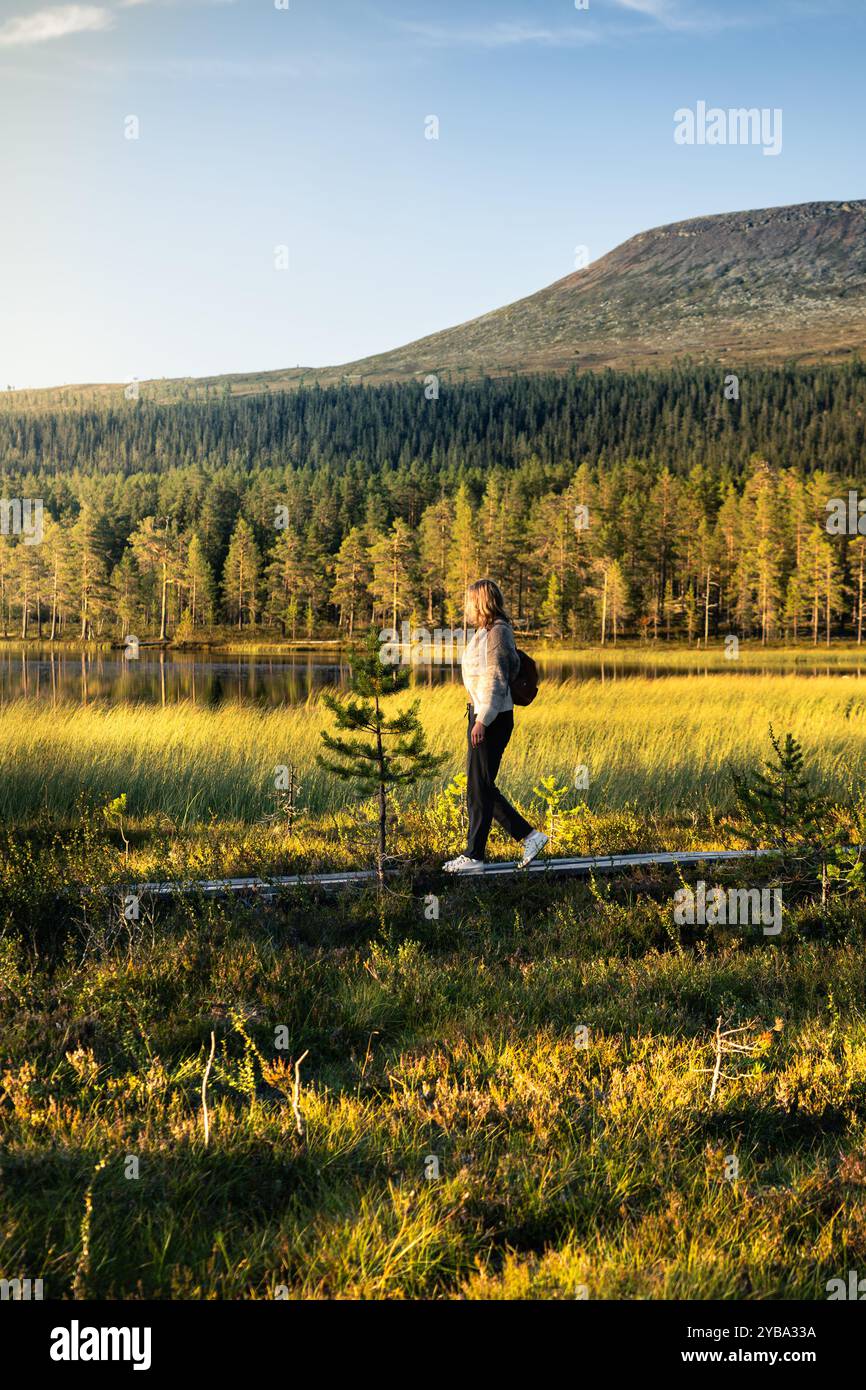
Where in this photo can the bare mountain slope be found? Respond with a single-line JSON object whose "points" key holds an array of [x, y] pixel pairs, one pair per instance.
{"points": [[770, 285]]}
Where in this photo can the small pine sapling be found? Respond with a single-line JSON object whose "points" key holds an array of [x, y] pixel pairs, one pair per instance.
{"points": [[778, 805], [394, 752]]}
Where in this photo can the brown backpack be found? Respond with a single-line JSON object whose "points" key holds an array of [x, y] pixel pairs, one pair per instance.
{"points": [[524, 687]]}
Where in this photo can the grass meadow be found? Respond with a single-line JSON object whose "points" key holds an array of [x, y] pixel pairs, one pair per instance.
{"points": [[470, 1090], [666, 746]]}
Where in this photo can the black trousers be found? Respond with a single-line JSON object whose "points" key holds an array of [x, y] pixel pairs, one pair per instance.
{"points": [[484, 801]]}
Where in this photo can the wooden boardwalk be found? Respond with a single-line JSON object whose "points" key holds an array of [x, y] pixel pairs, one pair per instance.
{"points": [[570, 868]]}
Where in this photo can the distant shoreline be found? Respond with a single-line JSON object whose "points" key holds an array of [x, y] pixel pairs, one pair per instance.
{"points": [[543, 649]]}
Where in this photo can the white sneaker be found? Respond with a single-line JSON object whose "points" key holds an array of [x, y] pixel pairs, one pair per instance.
{"points": [[463, 865], [532, 845]]}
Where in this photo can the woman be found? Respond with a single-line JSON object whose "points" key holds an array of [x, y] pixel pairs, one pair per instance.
{"points": [[490, 663]]}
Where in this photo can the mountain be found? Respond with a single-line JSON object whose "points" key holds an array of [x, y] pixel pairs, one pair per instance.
{"points": [[766, 285], [770, 285]]}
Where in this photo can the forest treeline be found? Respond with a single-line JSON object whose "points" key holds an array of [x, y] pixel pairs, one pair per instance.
{"points": [[612, 505]]}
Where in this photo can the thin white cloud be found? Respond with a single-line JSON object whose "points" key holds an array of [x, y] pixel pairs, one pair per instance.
{"points": [[135, 4], [671, 15], [666, 14], [60, 21], [657, 9], [501, 35], [54, 23]]}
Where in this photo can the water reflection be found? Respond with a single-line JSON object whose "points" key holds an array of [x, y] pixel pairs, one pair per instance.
{"points": [[210, 680], [169, 677]]}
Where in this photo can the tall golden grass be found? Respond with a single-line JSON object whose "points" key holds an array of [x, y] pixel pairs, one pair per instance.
{"points": [[668, 745]]}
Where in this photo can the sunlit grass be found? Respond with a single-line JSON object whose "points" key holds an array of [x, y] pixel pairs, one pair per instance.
{"points": [[750, 656], [667, 746], [560, 1171]]}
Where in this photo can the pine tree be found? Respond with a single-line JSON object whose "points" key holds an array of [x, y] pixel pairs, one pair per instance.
{"points": [[58, 572], [157, 558], [618, 597], [833, 590], [463, 559], [241, 574], [551, 612], [823, 579], [437, 523], [764, 546], [27, 570], [216, 519], [793, 610], [352, 575], [778, 806], [199, 584], [287, 576], [125, 594], [393, 581], [90, 548], [384, 752]]}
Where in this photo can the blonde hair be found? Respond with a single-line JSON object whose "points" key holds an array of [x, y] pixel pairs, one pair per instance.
{"points": [[484, 604]]}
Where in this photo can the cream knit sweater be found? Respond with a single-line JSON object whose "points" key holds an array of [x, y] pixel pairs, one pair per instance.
{"points": [[490, 663]]}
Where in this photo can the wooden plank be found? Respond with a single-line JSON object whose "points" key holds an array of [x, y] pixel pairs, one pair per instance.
{"points": [[576, 867]]}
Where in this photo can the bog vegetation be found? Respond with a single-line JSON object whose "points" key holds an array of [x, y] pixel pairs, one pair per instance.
{"points": [[466, 1089]]}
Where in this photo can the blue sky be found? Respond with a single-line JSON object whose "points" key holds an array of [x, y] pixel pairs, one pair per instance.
{"points": [[304, 127]]}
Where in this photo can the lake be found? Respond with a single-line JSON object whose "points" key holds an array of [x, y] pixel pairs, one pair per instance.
{"points": [[210, 679]]}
